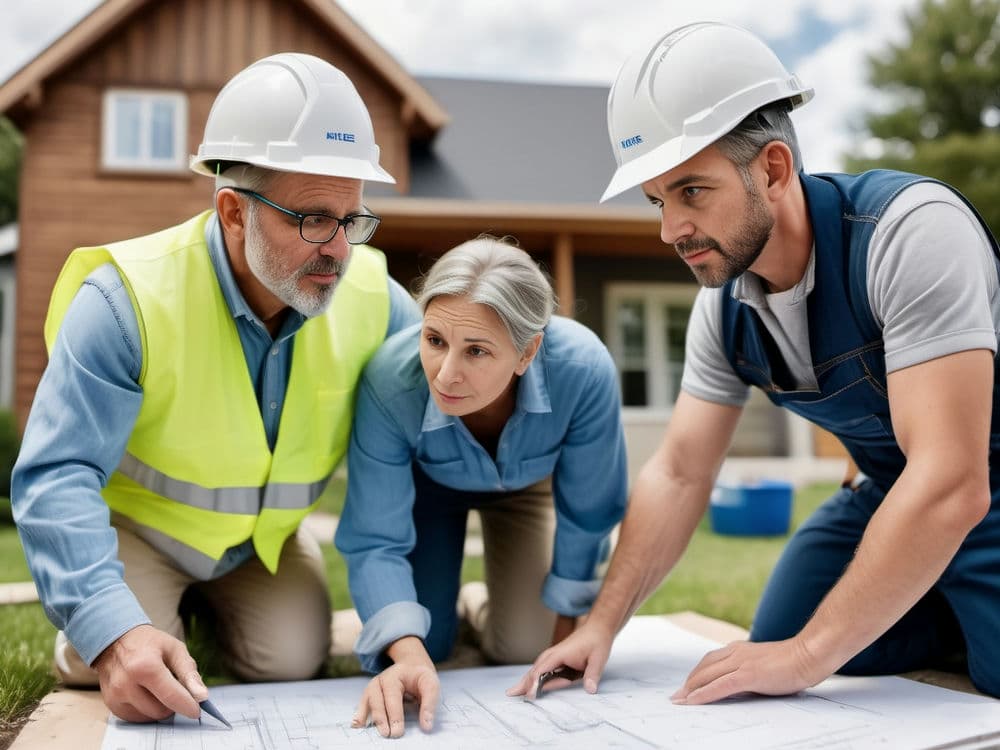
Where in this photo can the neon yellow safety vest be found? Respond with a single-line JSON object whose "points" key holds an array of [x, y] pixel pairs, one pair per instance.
{"points": [[198, 476]]}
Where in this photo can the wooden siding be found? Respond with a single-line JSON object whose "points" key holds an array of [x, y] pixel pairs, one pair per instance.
{"points": [[193, 46]]}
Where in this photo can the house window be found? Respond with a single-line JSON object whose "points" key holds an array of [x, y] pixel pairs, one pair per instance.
{"points": [[646, 328], [144, 130]]}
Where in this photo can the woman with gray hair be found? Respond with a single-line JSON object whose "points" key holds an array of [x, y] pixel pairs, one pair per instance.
{"points": [[491, 404]]}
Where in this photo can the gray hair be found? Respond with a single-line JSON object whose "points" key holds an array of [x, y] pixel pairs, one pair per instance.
{"points": [[772, 122], [497, 273], [247, 176]]}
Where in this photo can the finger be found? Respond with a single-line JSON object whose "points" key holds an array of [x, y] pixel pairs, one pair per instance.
{"points": [[360, 718], [376, 702], [701, 676], [429, 688], [139, 705], [524, 685], [392, 697], [594, 669], [181, 697], [722, 687], [167, 690], [128, 712]]}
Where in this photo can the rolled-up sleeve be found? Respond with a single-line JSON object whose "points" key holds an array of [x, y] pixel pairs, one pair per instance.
{"points": [[376, 531], [590, 487]]}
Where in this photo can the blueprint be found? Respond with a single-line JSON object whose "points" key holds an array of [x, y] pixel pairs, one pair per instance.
{"points": [[632, 709]]}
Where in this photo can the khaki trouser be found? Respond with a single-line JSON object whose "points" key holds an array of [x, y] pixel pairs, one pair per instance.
{"points": [[271, 627], [512, 624], [517, 556]]}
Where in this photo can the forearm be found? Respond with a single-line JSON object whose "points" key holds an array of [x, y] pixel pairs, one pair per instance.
{"points": [[907, 545], [409, 650], [663, 513]]}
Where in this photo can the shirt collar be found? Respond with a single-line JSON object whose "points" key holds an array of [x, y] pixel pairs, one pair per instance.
{"points": [[235, 301], [532, 396], [749, 288]]}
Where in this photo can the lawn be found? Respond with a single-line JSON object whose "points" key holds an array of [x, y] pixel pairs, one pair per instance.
{"points": [[719, 576]]}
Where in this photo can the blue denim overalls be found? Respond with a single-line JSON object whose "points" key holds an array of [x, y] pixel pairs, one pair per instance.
{"points": [[852, 403]]}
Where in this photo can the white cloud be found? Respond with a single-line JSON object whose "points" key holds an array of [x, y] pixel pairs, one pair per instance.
{"points": [[582, 41]]}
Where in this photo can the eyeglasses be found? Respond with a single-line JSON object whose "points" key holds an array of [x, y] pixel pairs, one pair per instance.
{"points": [[320, 228]]}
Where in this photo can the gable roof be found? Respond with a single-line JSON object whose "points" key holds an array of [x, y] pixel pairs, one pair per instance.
{"points": [[515, 142], [421, 110]]}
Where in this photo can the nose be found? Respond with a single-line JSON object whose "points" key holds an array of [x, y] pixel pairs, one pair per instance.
{"points": [[338, 247], [674, 226], [451, 369]]}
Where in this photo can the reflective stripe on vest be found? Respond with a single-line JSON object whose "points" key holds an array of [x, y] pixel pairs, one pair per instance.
{"points": [[246, 500], [198, 468]]}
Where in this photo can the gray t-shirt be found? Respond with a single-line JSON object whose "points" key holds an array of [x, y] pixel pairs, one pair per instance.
{"points": [[932, 285]]}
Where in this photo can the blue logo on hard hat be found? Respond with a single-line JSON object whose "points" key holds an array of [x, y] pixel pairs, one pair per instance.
{"points": [[332, 135], [635, 140]]}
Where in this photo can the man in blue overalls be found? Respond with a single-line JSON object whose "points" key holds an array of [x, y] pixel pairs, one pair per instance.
{"points": [[867, 304]]}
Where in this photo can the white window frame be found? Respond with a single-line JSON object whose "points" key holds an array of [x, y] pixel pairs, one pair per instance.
{"points": [[145, 162], [655, 297]]}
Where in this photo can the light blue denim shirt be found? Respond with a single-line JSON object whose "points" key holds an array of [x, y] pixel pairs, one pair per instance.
{"points": [[81, 419], [566, 424]]}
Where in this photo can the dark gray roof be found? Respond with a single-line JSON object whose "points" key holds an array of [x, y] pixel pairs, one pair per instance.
{"points": [[511, 141]]}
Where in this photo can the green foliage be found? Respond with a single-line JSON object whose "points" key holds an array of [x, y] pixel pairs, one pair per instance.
{"points": [[945, 80], [10, 444], [11, 149]]}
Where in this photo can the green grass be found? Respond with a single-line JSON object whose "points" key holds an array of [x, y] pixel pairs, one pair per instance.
{"points": [[25, 663], [723, 576], [719, 576]]}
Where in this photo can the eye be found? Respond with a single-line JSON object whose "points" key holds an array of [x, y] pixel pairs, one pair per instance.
{"points": [[315, 220], [434, 340], [655, 202], [691, 191], [477, 351]]}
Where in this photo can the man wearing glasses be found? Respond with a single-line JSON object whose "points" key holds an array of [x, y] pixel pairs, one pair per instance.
{"points": [[199, 395]]}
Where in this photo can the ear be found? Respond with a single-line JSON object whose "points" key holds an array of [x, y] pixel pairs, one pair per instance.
{"points": [[529, 354], [231, 216], [779, 168]]}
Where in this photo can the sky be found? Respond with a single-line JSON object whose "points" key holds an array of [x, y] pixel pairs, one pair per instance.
{"points": [[825, 42]]}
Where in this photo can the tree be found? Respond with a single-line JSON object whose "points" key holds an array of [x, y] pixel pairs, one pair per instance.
{"points": [[11, 145], [945, 82]]}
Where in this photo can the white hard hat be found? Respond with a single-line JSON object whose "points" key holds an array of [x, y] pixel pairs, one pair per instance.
{"points": [[294, 113], [691, 88]]}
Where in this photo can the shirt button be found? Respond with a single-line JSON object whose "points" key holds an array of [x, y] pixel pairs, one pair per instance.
{"points": [[274, 404], [274, 351]]}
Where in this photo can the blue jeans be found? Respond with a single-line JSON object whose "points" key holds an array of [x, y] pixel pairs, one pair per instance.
{"points": [[960, 613]]}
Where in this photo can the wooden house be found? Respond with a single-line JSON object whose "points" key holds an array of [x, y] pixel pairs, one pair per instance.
{"points": [[112, 109]]}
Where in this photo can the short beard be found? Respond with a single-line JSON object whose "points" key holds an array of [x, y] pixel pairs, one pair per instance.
{"points": [[743, 250], [283, 284]]}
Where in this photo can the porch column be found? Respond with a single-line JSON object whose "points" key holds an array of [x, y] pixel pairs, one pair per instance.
{"points": [[565, 282]]}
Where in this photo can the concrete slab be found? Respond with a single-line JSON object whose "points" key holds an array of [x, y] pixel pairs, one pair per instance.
{"points": [[18, 593]]}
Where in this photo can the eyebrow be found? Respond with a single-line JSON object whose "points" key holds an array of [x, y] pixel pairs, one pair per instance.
{"points": [[681, 182], [431, 329]]}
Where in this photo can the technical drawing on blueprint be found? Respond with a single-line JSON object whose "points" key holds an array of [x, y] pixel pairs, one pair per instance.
{"points": [[632, 709]]}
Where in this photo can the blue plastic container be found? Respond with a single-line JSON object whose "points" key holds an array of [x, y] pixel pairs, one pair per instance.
{"points": [[761, 508]]}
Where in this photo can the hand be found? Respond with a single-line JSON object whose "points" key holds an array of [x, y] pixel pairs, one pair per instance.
{"points": [[586, 649], [147, 675], [775, 668], [563, 627], [383, 698]]}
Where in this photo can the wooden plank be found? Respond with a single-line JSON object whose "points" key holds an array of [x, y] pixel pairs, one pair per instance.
{"points": [[65, 720]]}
